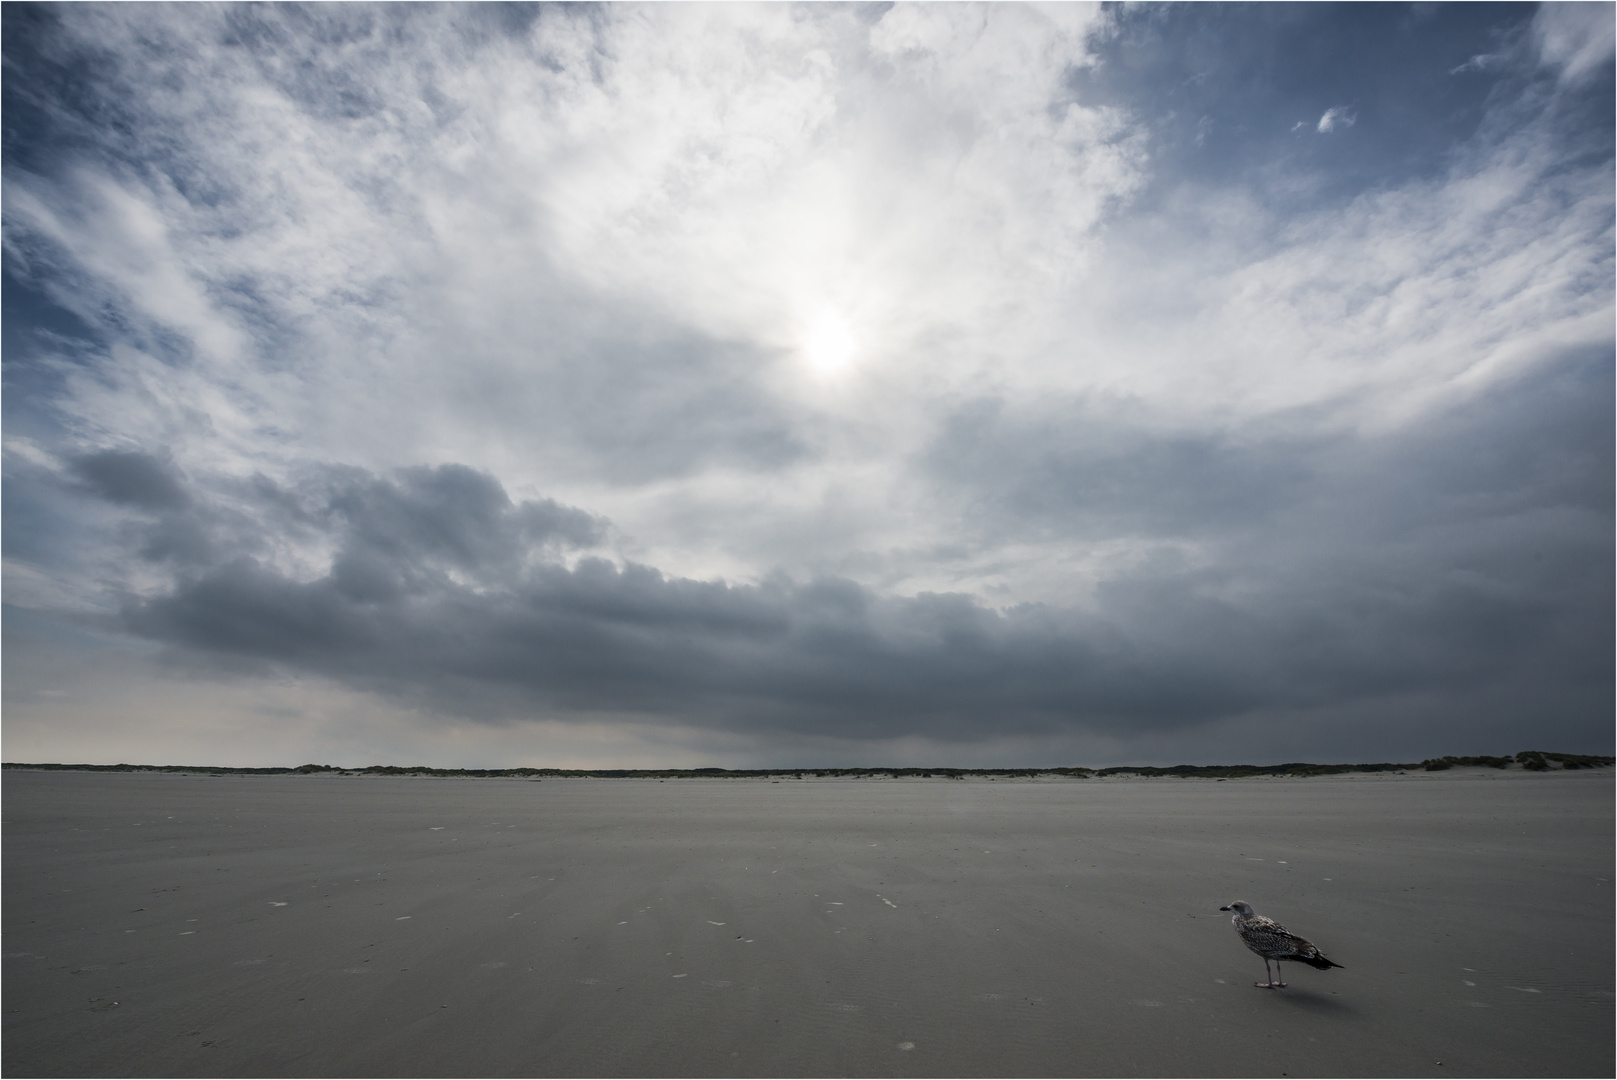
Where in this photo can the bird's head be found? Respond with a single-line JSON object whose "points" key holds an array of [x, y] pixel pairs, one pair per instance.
{"points": [[1240, 907]]}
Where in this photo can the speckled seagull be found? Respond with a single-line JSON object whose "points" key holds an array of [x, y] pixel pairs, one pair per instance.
{"points": [[1274, 942]]}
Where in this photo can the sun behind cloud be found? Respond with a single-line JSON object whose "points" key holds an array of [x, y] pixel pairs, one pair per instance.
{"points": [[828, 343]]}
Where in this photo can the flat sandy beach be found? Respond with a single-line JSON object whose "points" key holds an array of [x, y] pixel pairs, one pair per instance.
{"points": [[192, 925]]}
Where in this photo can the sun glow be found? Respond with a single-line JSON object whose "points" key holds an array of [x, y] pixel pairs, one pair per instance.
{"points": [[828, 343]]}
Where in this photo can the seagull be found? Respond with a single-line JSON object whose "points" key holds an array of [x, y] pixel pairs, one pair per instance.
{"points": [[1272, 941]]}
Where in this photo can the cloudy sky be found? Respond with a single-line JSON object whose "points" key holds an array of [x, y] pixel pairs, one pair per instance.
{"points": [[789, 385]]}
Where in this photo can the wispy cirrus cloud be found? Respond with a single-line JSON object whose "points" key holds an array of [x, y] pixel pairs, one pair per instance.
{"points": [[1575, 39]]}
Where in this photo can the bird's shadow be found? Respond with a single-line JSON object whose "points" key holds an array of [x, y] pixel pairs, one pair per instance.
{"points": [[1314, 1002]]}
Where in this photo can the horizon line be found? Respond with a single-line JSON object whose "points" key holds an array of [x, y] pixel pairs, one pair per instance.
{"points": [[1531, 760]]}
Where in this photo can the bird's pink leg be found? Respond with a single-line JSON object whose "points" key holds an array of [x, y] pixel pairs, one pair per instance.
{"points": [[1274, 982], [1280, 980]]}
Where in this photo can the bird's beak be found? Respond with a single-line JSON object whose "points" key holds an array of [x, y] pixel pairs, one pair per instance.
{"points": [[1223, 909]]}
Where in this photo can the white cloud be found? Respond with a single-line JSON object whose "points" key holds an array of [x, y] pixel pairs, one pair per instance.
{"points": [[435, 270], [1481, 62], [1385, 306], [1575, 37], [1337, 116]]}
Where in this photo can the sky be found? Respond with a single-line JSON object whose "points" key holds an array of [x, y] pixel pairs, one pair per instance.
{"points": [[786, 385]]}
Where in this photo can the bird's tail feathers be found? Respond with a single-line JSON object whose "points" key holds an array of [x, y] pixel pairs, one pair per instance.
{"points": [[1319, 961]]}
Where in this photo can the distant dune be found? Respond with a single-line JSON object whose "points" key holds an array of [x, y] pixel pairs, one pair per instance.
{"points": [[1535, 760]]}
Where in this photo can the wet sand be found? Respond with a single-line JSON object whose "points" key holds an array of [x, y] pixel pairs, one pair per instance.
{"points": [[360, 926]]}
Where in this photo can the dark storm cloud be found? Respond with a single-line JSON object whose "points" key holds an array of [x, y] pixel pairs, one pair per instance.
{"points": [[174, 528], [1335, 571], [1084, 468], [1472, 549], [1091, 474], [450, 516], [826, 657], [133, 479]]}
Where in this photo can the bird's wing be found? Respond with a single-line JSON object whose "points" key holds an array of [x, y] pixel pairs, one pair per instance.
{"points": [[1267, 936], [1265, 927], [1301, 946]]}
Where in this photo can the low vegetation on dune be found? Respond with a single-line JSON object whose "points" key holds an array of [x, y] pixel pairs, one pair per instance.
{"points": [[1534, 760]]}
